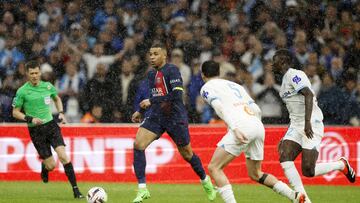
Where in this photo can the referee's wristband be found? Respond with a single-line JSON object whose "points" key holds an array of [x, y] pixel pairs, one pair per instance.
{"points": [[28, 119]]}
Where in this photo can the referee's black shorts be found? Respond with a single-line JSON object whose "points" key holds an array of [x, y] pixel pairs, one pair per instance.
{"points": [[44, 136]]}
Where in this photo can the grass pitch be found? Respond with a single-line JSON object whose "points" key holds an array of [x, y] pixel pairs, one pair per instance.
{"points": [[60, 192]]}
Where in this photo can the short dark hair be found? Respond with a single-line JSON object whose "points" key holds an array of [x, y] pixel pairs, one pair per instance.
{"points": [[32, 64], [285, 54], [159, 45], [210, 69]]}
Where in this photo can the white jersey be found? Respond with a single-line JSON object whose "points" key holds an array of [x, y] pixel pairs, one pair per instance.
{"points": [[292, 82], [236, 103]]}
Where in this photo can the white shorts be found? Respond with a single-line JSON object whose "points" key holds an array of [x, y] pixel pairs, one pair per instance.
{"points": [[254, 130], [297, 134]]}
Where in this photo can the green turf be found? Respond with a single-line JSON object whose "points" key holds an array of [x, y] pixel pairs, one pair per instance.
{"points": [[55, 192]]}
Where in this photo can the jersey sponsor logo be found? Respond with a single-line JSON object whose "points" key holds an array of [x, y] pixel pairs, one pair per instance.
{"points": [[47, 100], [286, 94], [174, 81], [205, 94], [155, 92], [332, 147], [296, 79]]}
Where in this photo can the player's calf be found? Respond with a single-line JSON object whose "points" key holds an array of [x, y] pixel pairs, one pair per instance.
{"points": [[308, 170]]}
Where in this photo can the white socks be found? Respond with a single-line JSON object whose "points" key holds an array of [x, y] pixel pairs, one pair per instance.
{"points": [[142, 185], [324, 168], [284, 190], [293, 176], [205, 180], [227, 194]]}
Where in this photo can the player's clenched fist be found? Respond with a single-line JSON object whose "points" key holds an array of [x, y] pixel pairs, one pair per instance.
{"points": [[144, 104], [136, 117]]}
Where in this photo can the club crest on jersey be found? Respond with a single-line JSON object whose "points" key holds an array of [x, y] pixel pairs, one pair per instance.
{"points": [[48, 87], [158, 80], [296, 79]]}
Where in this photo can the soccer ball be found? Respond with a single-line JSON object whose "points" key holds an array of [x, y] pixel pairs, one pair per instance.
{"points": [[96, 195]]}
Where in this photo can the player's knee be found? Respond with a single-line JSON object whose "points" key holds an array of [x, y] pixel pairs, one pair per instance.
{"points": [[213, 168], [254, 175], [139, 145], [186, 155], [285, 156], [308, 170], [50, 166], [64, 159]]}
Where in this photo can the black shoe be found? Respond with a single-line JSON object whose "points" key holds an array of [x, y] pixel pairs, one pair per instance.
{"points": [[77, 193], [348, 170], [44, 174]]}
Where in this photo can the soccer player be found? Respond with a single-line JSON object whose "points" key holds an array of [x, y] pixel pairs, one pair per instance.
{"points": [[245, 134], [167, 113], [34, 98], [306, 127]]}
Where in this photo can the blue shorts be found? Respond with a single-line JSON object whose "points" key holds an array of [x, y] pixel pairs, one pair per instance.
{"points": [[177, 130]]}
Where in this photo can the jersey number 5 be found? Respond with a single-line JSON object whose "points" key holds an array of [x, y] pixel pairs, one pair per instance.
{"points": [[235, 90]]}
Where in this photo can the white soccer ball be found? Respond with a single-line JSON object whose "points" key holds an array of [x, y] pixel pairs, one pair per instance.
{"points": [[96, 195]]}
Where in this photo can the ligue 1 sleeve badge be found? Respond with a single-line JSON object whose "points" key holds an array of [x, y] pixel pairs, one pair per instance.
{"points": [[48, 87]]}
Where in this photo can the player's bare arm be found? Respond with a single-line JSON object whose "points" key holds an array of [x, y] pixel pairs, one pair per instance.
{"points": [[21, 116], [308, 110]]}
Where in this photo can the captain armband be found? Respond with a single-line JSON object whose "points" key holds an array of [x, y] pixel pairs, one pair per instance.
{"points": [[178, 88]]}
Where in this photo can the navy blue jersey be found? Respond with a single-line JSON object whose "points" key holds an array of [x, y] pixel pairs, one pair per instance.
{"points": [[166, 92]]}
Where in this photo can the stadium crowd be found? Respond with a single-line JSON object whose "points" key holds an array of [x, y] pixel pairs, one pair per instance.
{"points": [[95, 52]]}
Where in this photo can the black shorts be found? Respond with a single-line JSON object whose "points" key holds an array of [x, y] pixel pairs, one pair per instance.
{"points": [[45, 136], [177, 130]]}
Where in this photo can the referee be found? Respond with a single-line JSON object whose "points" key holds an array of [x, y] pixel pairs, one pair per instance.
{"points": [[34, 98]]}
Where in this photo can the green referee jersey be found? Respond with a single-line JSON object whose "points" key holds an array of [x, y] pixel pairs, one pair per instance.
{"points": [[36, 100]]}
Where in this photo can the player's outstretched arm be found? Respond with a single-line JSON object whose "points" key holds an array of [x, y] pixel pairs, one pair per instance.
{"points": [[308, 110]]}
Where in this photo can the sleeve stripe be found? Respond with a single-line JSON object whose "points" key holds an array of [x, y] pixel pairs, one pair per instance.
{"points": [[300, 88], [178, 88], [212, 99]]}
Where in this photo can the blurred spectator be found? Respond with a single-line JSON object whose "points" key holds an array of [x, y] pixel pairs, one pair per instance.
{"points": [[267, 96], [225, 66], [352, 56], [311, 72], [93, 116], [97, 57], [122, 80], [337, 69], [351, 96], [72, 15], [10, 57], [98, 91], [102, 15], [177, 58], [331, 100], [69, 86], [252, 57]]}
